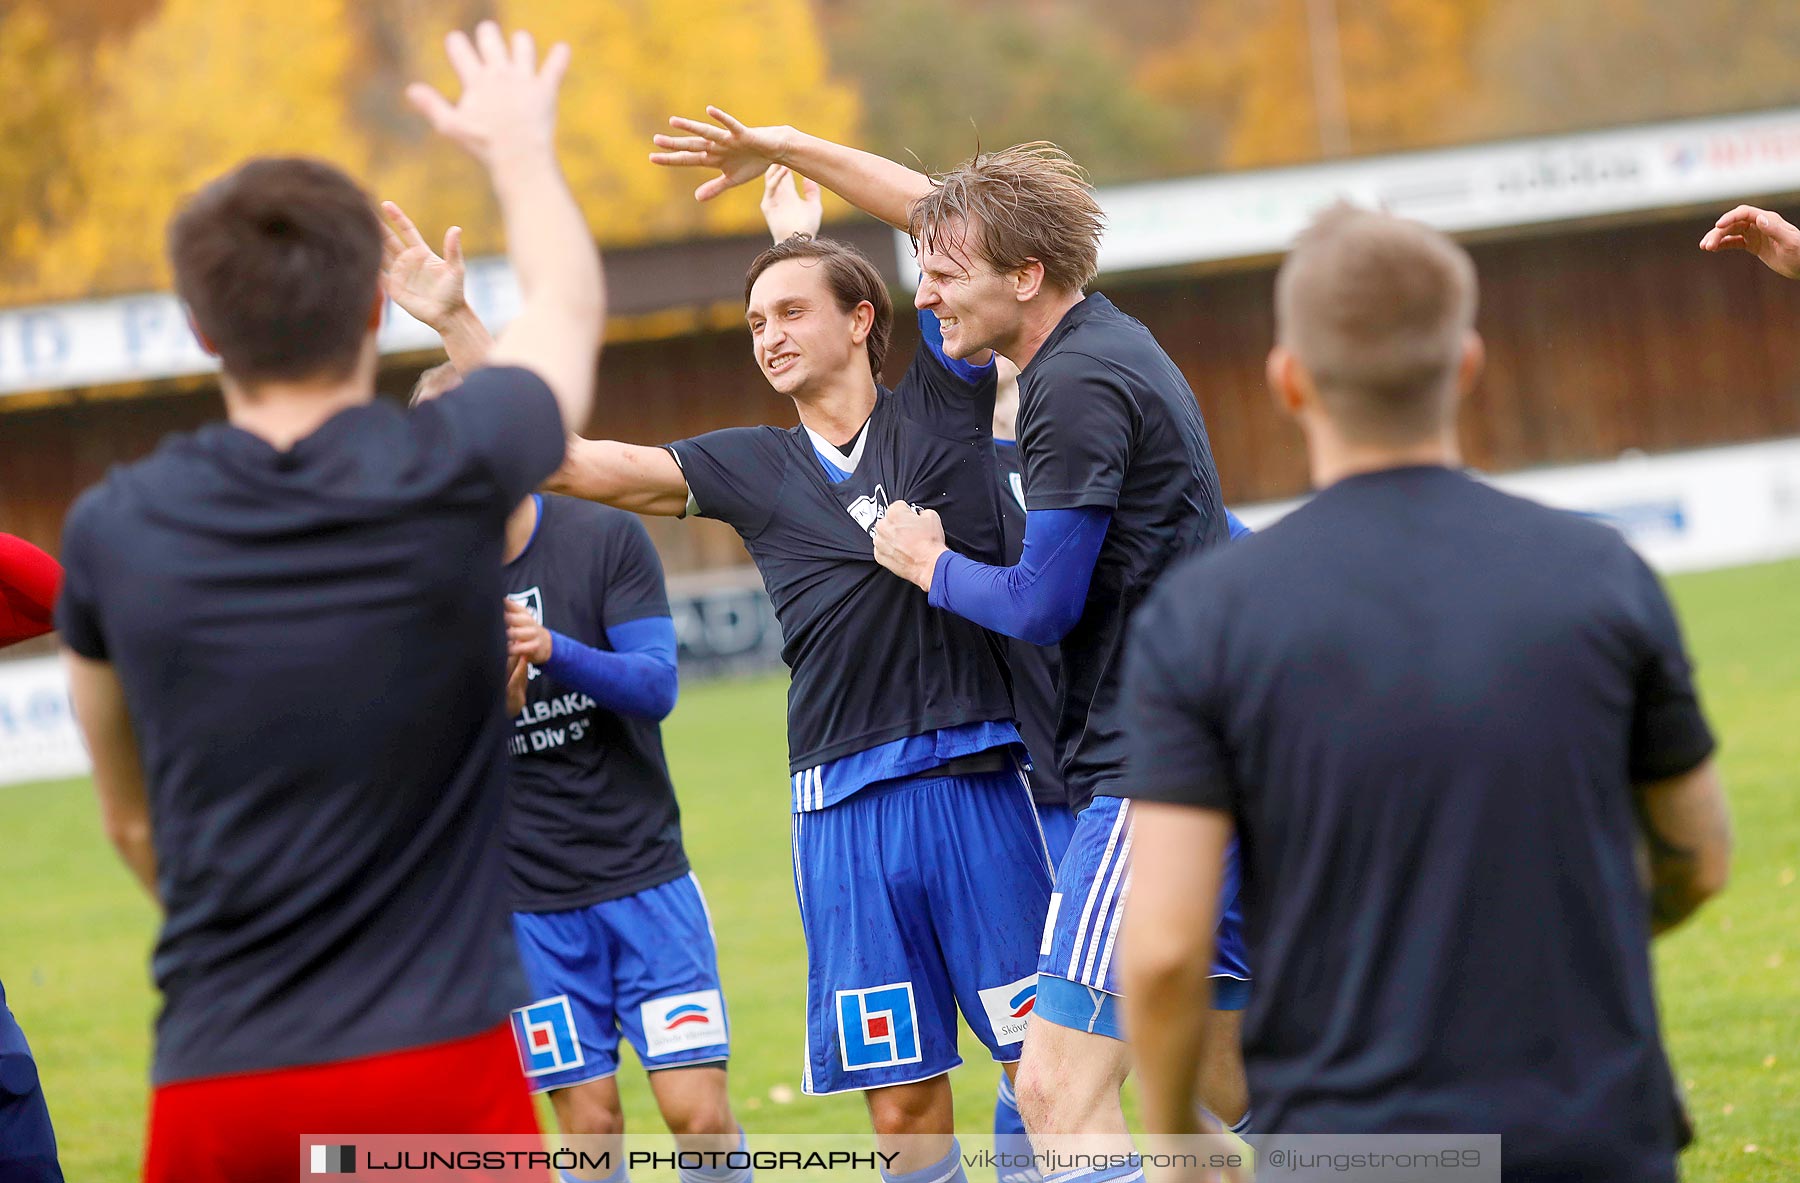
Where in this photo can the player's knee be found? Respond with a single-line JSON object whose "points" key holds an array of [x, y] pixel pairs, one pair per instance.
{"points": [[585, 1112], [911, 1109], [1035, 1091], [710, 1116], [1064, 1093]]}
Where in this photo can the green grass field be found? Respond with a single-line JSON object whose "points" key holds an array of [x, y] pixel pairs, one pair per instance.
{"points": [[75, 933]]}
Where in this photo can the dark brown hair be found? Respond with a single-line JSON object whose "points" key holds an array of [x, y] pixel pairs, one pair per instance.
{"points": [[852, 278], [1030, 201], [278, 263]]}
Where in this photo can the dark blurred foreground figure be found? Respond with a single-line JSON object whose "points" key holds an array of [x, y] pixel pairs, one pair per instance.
{"points": [[1447, 726], [285, 649], [28, 582]]}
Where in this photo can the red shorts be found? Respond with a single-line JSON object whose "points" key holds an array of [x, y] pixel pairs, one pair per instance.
{"points": [[247, 1128]]}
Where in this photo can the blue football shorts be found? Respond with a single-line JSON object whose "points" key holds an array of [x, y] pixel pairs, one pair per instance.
{"points": [[1058, 824], [918, 897], [1078, 983], [644, 965]]}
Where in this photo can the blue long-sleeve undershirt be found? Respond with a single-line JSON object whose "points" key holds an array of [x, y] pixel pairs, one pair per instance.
{"points": [[1039, 598], [637, 678]]}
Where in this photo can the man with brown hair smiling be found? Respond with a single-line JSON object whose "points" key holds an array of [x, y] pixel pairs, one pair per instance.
{"points": [[1118, 481], [918, 863]]}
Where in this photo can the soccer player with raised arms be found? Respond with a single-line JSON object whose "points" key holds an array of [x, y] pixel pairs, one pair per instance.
{"points": [[918, 864], [286, 652], [610, 921], [1118, 482]]}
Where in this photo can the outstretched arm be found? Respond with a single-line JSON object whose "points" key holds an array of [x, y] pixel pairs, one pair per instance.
{"points": [[873, 184], [1760, 232], [506, 119], [640, 479]]}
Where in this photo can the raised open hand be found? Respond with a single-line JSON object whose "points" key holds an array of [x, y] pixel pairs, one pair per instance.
{"points": [[508, 103], [427, 285], [740, 153], [789, 210]]}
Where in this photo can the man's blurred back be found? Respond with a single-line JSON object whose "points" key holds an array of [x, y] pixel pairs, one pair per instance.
{"points": [[286, 654], [1442, 720]]}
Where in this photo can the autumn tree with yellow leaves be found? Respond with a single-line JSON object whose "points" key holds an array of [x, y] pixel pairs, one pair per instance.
{"points": [[1390, 74], [111, 110], [98, 143]]}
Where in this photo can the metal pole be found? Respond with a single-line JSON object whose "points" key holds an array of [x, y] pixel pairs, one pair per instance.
{"points": [[1331, 108]]}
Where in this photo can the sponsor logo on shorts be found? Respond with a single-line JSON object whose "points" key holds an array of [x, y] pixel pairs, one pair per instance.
{"points": [[1009, 1007], [878, 1027], [681, 1022], [546, 1034], [333, 1160]]}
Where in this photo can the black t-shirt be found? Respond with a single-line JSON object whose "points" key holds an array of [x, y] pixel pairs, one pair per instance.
{"points": [[1034, 667], [1426, 704], [872, 661], [1107, 421], [311, 649], [593, 813]]}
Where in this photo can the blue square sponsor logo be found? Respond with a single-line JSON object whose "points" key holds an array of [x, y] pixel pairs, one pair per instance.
{"points": [[878, 1027], [546, 1036]]}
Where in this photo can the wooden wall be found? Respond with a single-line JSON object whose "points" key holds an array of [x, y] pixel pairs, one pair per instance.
{"points": [[1598, 342]]}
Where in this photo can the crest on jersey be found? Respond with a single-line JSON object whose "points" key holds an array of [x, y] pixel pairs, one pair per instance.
{"points": [[533, 599], [868, 510]]}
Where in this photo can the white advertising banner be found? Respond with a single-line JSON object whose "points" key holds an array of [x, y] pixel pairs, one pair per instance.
{"points": [[38, 739], [1683, 511], [143, 337], [1478, 187], [1156, 224]]}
